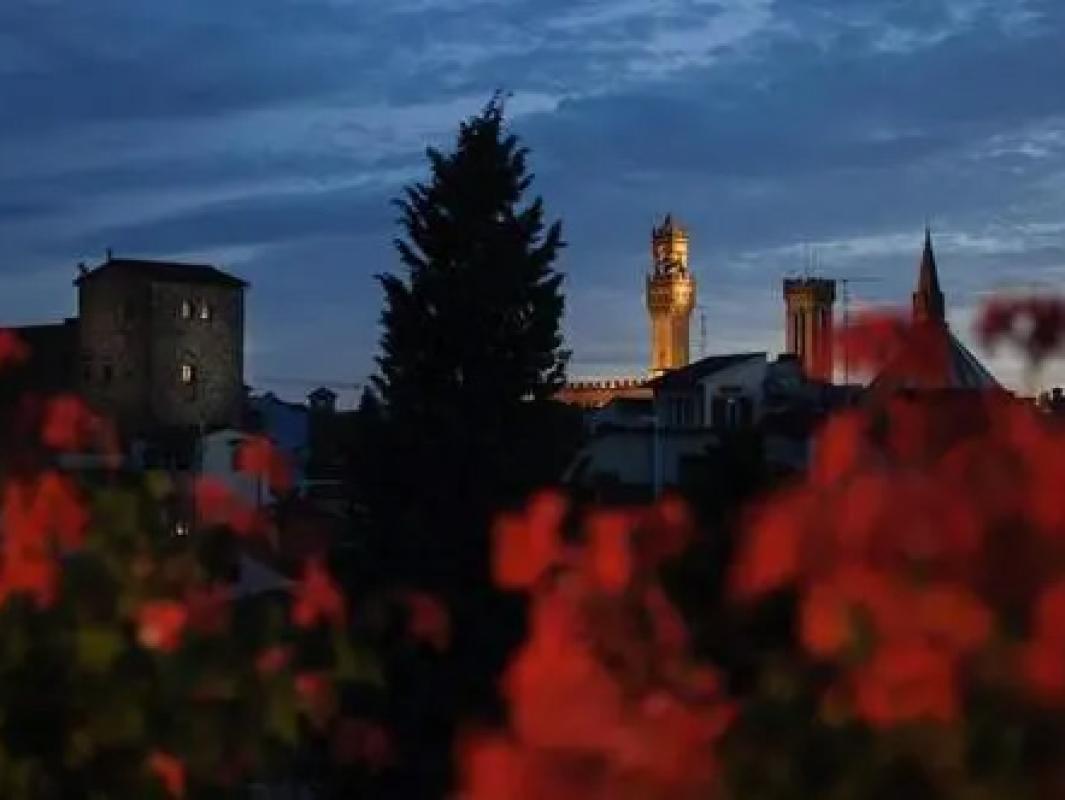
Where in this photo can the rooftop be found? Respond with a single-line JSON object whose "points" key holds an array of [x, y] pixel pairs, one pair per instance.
{"points": [[686, 376], [164, 271]]}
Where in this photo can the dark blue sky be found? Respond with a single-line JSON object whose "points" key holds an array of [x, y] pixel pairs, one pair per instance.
{"points": [[269, 135]]}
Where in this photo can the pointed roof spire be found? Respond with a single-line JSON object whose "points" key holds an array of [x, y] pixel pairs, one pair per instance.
{"points": [[928, 301]]}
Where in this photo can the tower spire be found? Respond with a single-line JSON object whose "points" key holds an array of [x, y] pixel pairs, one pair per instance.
{"points": [[928, 301]]}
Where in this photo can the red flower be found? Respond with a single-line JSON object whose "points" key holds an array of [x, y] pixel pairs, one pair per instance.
{"points": [[907, 683], [525, 545], [317, 597], [160, 625], [12, 349], [208, 609], [217, 504], [609, 549], [825, 621], [259, 456], [69, 425], [170, 771], [315, 692], [1042, 666], [359, 741], [769, 553], [1034, 324], [493, 768], [273, 659], [428, 620]]}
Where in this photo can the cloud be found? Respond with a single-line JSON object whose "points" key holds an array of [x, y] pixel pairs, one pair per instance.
{"points": [[271, 133]]}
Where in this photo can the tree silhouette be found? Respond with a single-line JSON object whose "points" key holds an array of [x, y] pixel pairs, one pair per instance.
{"points": [[471, 351]]}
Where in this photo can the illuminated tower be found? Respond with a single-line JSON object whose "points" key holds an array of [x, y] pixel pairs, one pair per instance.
{"points": [[808, 303], [670, 297]]}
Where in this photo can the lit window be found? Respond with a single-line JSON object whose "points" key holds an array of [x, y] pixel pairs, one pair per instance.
{"points": [[205, 312], [188, 373], [186, 309]]}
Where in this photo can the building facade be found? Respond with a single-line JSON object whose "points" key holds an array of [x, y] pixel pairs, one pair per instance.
{"points": [[161, 345]]}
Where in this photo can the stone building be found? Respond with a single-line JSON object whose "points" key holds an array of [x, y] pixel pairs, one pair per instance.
{"points": [[161, 345]]}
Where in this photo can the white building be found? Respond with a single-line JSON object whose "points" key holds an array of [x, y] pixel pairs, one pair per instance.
{"points": [[640, 446]]}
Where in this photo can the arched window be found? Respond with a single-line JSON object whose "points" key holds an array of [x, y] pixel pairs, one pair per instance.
{"points": [[205, 312], [186, 309]]}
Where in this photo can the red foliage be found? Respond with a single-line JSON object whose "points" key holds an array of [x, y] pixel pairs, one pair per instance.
{"points": [[527, 544], [360, 741], [1036, 325], [41, 517], [160, 625], [273, 659], [170, 771], [217, 504], [911, 544], [603, 700], [892, 345], [68, 424], [209, 609], [259, 456], [13, 350], [609, 549], [317, 597], [428, 620], [316, 695]]}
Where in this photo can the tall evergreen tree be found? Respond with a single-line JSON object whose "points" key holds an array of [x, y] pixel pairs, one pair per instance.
{"points": [[471, 351]]}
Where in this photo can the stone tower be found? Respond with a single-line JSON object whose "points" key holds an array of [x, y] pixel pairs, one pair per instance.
{"points": [[808, 303], [161, 345], [670, 297]]}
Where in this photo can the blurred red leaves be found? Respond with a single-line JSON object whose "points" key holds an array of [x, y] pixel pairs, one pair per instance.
{"points": [[41, 518], [217, 504], [70, 426], [911, 542], [13, 350], [273, 659], [428, 620], [209, 609], [604, 700], [170, 771], [316, 695], [160, 625], [260, 457], [317, 598], [900, 351], [526, 544], [361, 741], [1035, 325], [609, 549]]}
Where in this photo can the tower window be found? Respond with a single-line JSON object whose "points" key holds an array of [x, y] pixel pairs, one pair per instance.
{"points": [[205, 312], [108, 373], [188, 374], [186, 309]]}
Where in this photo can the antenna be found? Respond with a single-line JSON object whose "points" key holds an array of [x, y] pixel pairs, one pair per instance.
{"points": [[702, 333], [845, 283]]}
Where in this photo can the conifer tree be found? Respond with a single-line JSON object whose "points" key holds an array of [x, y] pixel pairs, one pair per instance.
{"points": [[471, 350]]}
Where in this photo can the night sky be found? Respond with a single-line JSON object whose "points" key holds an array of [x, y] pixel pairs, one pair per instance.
{"points": [[268, 136]]}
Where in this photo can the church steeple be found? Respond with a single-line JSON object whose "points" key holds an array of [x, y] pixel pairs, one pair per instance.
{"points": [[928, 302]]}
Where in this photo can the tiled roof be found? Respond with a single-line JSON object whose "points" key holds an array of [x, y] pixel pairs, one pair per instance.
{"points": [[962, 370], [686, 376], [165, 271]]}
